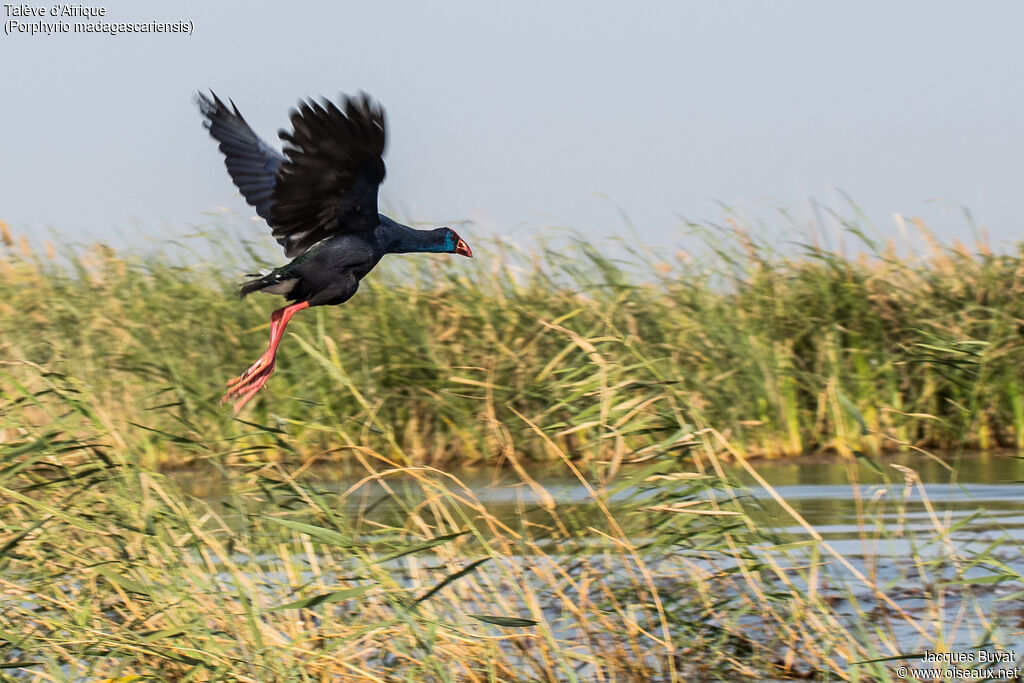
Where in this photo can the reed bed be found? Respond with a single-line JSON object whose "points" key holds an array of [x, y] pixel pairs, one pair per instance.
{"points": [[784, 353], [646, 377], [670, 571]]}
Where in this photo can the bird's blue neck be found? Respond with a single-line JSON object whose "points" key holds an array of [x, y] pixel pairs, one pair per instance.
{"points": [[401, 239]]}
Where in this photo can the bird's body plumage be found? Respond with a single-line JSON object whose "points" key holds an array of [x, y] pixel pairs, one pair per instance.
{"points": [[320, 199]]}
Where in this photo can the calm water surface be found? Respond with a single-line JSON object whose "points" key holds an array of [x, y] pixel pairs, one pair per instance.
{"points": [[834, 497], [873, 518]]}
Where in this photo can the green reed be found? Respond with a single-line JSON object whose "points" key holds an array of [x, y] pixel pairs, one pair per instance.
{"points": [[646, 375], [665, 570], [783, 352]]}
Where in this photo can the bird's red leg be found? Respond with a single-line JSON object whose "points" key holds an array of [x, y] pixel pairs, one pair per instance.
{"points": [[268, 356], [252, 380]]}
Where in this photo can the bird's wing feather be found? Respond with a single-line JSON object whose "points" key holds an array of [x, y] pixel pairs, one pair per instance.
{"points": [[252, 163], [328, 182]]}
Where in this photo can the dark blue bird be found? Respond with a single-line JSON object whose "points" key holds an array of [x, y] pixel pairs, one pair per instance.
{"points": [[320, 199]]}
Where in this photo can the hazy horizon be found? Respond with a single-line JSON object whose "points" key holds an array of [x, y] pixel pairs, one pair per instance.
{"points": [[509, 119]]}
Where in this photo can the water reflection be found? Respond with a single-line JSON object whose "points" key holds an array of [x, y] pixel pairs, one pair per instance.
{"points": [[881, 527], [836, 497], [840, 498]]}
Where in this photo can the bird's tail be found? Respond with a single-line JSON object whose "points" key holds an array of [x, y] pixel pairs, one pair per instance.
{"points": [[250, 286], [274, 282]]}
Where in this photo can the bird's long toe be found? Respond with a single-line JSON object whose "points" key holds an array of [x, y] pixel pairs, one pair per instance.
{"points": [[246, 386], [245, 391], [264, 361]]}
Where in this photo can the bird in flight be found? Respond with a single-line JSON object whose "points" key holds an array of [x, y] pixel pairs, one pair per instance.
{"points": [[319, 198]]}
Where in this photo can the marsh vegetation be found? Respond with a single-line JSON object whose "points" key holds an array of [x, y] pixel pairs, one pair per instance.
{"points": [[651, 379]]}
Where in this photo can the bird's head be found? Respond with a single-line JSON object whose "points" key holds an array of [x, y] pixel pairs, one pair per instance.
{"points": [[455, 244]]}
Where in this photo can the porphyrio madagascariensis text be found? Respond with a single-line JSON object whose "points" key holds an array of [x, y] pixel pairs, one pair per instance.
{"points": [[320, 199]]}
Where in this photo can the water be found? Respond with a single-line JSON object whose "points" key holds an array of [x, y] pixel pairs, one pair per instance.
{"points": [[942, 522], [876, 520], [988, 486], [824, 491]]}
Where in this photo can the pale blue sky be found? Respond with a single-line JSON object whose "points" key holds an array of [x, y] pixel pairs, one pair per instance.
{"points": [[520, 115]]}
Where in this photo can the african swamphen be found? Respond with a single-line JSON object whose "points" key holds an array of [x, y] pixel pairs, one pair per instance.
{"points": [[320, 199]]}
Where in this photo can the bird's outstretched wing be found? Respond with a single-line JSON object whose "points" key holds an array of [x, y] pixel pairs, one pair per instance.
{"points": [[328, 182], [252, 163]]}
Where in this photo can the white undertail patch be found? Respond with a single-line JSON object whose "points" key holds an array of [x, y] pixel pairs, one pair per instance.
{"points": [[284, 287]]}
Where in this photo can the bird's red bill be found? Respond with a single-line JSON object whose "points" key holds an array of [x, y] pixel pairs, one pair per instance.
{"points": [[463, 248]]}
